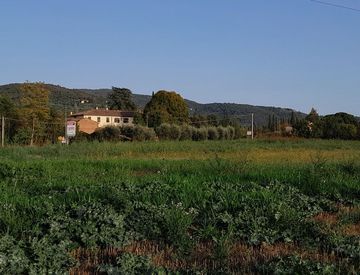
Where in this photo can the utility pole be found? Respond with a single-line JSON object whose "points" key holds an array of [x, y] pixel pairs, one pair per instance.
{"points": [[2, 131], [252, 125]]}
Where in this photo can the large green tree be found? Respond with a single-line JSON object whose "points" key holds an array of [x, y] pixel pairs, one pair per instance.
{"points": [[7, 107], [166, 107], [121, 99], [340, 126], [55, 126], [34, 110], [313, 116], [10, 112]]}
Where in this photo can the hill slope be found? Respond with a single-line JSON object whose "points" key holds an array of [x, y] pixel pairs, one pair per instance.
{"points": [[72, 98]]}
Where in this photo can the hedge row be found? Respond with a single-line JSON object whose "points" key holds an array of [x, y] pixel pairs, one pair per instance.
{"points": [[187, 132], [111, 133], [163, 132]]}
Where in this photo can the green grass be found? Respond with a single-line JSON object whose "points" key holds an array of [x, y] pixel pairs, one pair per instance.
{"points": [[56, 199]]}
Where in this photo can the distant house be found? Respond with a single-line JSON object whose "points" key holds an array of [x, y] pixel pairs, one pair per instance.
{"points": [[88, 121], [85, 125]]}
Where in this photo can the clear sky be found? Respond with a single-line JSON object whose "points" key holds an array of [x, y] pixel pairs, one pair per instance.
{"points": [[289, 53]]}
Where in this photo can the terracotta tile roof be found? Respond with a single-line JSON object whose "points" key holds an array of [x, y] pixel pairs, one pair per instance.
{"points": [[105, 112]]}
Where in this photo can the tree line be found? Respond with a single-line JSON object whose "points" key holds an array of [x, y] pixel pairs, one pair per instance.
{"points": [[32, 119], [334, 126]]}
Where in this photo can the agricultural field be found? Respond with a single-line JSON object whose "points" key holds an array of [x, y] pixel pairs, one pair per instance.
{"points": [[212, 207]]}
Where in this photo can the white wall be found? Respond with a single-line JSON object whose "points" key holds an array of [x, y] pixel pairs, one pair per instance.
{"points": [[111, 122]]}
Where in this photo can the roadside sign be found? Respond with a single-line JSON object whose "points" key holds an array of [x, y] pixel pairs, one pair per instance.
{"points": [[71, 128]]}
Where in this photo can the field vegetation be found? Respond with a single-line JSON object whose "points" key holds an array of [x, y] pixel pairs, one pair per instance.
{"points": [[225, 206]]}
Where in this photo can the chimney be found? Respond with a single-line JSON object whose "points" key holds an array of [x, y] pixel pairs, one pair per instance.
{"points": [[97, 108], [107, 108], [71, 113]]}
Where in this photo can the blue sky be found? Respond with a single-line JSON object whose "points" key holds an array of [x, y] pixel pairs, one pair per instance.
{"points": [[289, 53]]}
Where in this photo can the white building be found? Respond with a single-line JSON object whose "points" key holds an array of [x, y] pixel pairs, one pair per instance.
{"points": [[106, 117]]}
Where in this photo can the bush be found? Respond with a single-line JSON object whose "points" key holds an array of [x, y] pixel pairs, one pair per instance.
{"points": [[223, 133], [231, 132], [175, 132], [168, 132], [200, 134], [239, 132], [143, 134], [186, 132], [109, 133], [137, 133], [163, 131], [127, 132], [213, 134], [80, 137], [23, 136]]}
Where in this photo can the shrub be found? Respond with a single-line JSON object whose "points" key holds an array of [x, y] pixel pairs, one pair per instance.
{"points": [[223, 133], [81, 136], [138, 133], [239, 132], [109, 133], [128, 132], [22, 137], [168, 132], [231, 132], [175, 132], [186, 132], [143, 133], [213, 134], [200, 134], [163, 131]]}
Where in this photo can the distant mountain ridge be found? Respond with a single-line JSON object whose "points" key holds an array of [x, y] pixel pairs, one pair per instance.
{"points": [[82, 99]]}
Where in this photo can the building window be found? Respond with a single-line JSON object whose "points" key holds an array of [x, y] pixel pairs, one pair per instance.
{"points": [[98, 119], [89, 117], [107, 119], [126, 120], [117, 120]]}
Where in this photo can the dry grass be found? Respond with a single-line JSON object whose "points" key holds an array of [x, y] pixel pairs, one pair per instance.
{"points": [[332, 221], [351, 230], [329, 219], [241, 257]]}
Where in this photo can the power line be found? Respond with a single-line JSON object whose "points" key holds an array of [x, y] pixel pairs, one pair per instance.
{"points": [[335, 5]]}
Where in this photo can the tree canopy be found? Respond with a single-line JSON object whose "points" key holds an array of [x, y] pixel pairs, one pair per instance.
{"points": [[7, 107], [335, 126], [121, 99], [34, 108], [166, 107]]}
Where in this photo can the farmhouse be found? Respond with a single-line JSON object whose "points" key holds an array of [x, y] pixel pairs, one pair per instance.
{"points": [[89, 121], [85, 125]]}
